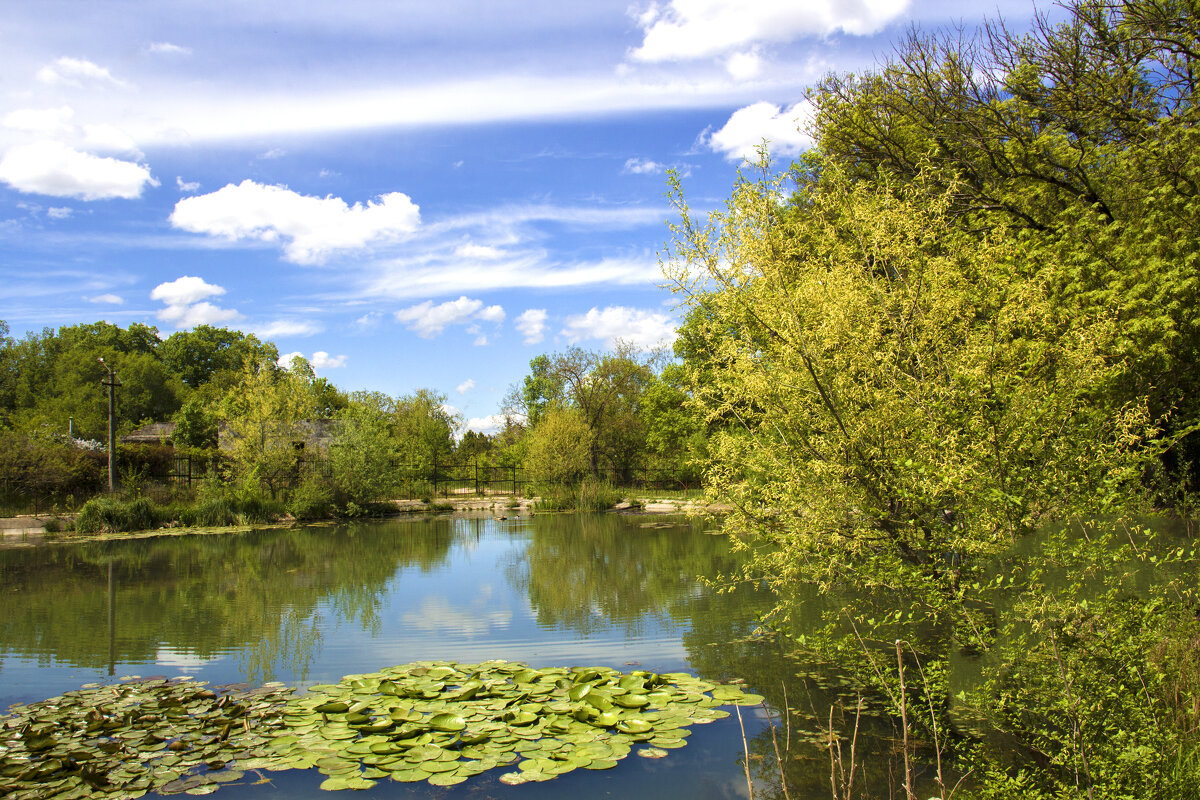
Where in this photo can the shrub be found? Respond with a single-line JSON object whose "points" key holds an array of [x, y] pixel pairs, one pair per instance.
{"points": [[311, 500], [111, 515]]}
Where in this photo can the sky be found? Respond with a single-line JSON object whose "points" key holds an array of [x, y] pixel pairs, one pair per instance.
{"points": [[409, 194]]}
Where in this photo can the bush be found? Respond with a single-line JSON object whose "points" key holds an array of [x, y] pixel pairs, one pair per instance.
{"points": [[311, 500], [111, 515], [210, 512], [589, 495]]}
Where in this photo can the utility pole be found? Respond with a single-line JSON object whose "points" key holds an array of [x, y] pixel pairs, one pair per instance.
{"points": [[112, 383]]}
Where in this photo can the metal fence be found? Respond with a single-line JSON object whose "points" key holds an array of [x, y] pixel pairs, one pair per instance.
{"points": [[416, 481]]}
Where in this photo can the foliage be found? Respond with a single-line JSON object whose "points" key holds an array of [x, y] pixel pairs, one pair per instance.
{"points": [[363, 456], [895, 406], [557, 448], [1082, 139], [440, 722], [589, 494], [41, 466], [113, 514], [312, 499]]}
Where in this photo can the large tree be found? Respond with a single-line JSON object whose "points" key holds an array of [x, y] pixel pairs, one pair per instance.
{"points": [[1081, 138]]}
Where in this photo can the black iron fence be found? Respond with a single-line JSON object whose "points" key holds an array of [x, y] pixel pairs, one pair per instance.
{"points": [[456, 478]]}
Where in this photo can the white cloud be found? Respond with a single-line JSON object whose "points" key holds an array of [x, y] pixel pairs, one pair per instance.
{"points": [[314, 226], [532, 325], [491, 314], [189, 316], [465, 386], [167, 48], [784, 130], [642, 166], [59, 212], [285, 359], [287, 327], [368, 321], [112, 299], [478, 251], [744, 66], [44, 121], [274, 152], [186, 186], [54, 169], [489, 425], [430, 275], [186, 307], [429, 320], [75, 72], [688, 29], [322, 360], [105, 138], [638, 326], [185, 289]]}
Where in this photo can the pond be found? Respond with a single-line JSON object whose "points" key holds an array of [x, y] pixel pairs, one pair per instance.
{"points": [[308, 606]]}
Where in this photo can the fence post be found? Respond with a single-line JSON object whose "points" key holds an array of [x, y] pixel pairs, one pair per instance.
{"points": [[477, 477]]}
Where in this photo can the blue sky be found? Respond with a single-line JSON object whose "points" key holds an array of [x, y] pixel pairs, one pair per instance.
{"points": [[413, 194]]}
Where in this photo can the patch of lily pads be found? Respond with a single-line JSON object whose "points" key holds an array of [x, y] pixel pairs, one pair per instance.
{"points": [[435, 722]]}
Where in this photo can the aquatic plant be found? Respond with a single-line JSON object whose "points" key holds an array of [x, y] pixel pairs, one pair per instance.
{"points": [[439, 722]]}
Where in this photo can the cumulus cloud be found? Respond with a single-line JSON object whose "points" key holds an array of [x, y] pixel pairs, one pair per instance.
{"points": [[687, 29], [54, 169], [465, 386], [489, 425], [185, 303], [491, 314], [532, 325], [285, 359], [642, 166], [185, 289], [313, 227], [204, 313], [744, 66], [429, 320], [75, 72], [784, 130], [322, 360], [44, 121], [287, 327], [640, 327]]}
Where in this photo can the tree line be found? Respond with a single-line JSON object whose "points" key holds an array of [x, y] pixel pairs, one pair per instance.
{"points": [[292, 437]]}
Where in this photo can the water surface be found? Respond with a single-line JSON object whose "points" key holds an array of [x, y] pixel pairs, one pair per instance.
{"points": [[309, 605]]}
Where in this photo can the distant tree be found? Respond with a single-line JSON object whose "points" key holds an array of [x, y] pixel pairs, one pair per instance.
{"points": [[364, 455], [424, 431], [557, 452], [198, 355]]}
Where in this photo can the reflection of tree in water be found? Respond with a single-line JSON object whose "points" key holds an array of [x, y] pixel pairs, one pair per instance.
{"points": [[199, 597], [727, 643], [590, 573]]}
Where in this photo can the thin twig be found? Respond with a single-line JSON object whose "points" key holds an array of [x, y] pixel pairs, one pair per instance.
{"points": [[746, 750]]}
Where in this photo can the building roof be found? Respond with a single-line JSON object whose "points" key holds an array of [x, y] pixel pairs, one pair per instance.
{"points": [[154, 433]]}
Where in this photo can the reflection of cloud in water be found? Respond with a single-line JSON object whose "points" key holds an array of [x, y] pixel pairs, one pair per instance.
{"points": [[184, 661], [436, 615]]}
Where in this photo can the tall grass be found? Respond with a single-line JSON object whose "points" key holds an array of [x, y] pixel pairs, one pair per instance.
{"points": [[588, 495]]}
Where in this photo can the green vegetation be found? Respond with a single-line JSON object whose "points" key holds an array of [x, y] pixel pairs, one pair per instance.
{"points": [[435, 722], [933, 353]]}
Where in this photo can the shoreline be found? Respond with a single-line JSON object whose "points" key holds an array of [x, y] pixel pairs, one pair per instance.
{"points": [[29, 530]]}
